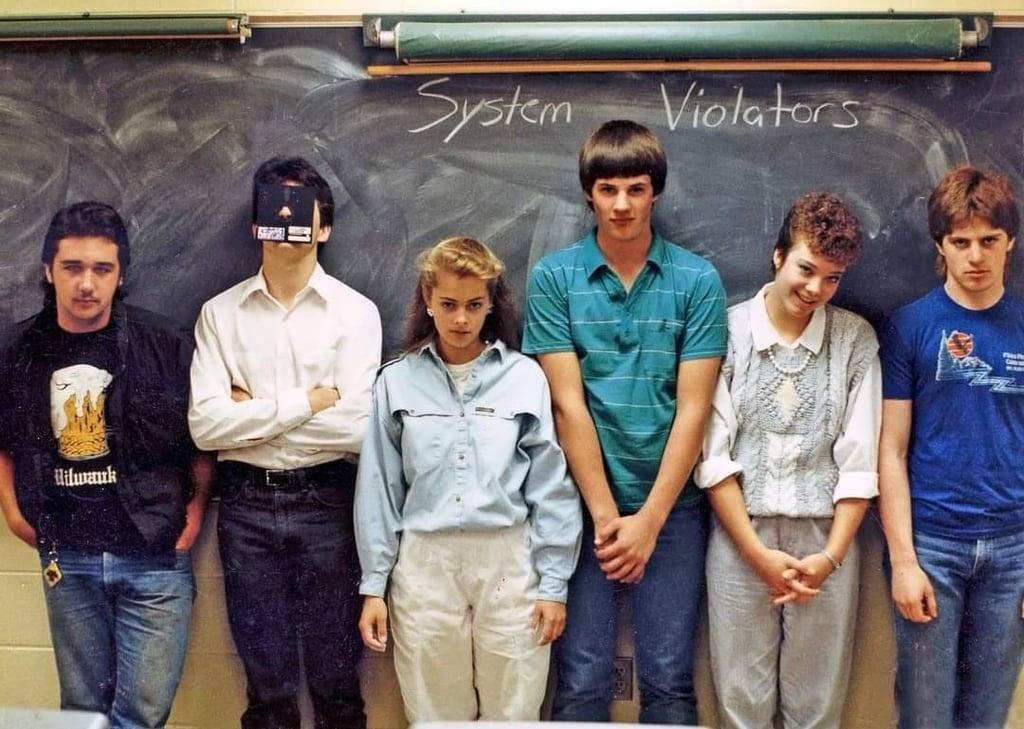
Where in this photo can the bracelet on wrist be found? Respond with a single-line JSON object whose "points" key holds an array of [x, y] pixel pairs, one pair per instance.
{"points": [[836, 564]]}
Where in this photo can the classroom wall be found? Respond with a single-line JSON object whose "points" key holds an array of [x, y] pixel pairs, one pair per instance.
{"points": [[212, 691]]}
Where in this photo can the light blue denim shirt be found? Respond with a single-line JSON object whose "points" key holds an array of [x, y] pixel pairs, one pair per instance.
{"points": [[433, 461]]}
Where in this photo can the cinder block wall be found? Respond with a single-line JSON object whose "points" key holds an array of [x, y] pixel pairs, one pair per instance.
{"points": [[213, 688]]}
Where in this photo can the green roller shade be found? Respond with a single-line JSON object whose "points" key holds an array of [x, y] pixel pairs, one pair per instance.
{"points": [[845, 38], [120, 26]]}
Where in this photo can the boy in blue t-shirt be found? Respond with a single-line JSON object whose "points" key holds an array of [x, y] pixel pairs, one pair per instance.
{"points": [[951, 465], [629, 329]]}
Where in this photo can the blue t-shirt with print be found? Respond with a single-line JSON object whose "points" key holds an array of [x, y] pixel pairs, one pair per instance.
{"points": [[964, 370]]}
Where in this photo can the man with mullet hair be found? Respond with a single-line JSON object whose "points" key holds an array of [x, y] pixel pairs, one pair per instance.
{"points": [[95, 464], [951, 465], [629, 329]]}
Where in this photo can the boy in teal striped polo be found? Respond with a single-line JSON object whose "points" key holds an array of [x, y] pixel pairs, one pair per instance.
{"points": [[630, 329]]}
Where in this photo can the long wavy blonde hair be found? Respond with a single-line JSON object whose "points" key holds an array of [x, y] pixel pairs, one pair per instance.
{"points": [[463, 257]]}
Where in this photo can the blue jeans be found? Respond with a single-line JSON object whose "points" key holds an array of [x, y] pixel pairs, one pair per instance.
{"points": [[120, 629], [960, 670], [665, 614], [291, 579]]}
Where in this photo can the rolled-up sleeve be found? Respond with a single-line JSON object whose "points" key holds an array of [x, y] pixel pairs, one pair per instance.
{"points": [[856, 449], [717, 463], [380, 495]]}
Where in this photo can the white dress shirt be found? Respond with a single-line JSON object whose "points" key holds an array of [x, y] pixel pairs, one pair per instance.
{"points": [[331, 337]]}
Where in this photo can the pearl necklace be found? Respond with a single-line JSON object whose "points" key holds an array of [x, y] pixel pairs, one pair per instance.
{"points": [[789, 370]]}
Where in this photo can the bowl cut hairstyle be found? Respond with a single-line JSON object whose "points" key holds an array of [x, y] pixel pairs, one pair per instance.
{"points": [[622, 148]]}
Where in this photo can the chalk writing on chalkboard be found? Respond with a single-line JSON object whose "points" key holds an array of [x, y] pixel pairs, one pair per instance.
{"points": [[170, 134], [838, 114], [688, 109], [488, 112]]}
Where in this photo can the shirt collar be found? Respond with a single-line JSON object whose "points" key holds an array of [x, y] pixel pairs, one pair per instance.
{"points": [[593, 258], [498, 347], [765, 334], [316, 283]]}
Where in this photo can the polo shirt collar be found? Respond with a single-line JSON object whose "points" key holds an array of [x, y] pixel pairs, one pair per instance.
{"points": [[765, 335], [593, 258]]}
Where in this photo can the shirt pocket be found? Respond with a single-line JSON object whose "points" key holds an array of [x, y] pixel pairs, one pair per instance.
{"points": [[660, 345], [496, 436], [424, 435]]}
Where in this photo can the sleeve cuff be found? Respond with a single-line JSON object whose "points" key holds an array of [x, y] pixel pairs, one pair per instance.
{"points": [[856, 485], [554, 589], [373, 585], [714, 470], [293, 407]]}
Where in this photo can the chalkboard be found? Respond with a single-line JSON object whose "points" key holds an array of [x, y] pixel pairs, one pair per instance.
{"points": [[170, 133]]}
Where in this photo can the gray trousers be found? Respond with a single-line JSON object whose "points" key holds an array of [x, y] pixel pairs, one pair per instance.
{"points": [[791, 658]]}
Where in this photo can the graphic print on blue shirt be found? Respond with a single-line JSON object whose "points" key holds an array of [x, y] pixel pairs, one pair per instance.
{"points": [[957, 361], [963, 369]]}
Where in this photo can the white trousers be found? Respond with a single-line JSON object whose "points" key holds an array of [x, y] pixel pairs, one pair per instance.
{"points": [[461, 604], [794, 658]]}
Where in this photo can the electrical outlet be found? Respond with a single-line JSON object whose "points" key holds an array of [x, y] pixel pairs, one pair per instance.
{"points": [[622, 681]]}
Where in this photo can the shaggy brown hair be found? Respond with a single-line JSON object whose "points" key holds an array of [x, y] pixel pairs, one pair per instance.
{"points": [[824, 223], [967, 192]]}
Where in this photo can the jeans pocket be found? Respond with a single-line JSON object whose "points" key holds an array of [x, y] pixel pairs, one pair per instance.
{"points": [[183, 564], [332, 497]]}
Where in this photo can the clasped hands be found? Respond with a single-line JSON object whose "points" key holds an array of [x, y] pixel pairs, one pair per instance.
{"points": [[790, 579], [623, 545]]}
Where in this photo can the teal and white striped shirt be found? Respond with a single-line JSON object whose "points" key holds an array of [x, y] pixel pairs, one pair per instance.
{"points": [[629, 344]]}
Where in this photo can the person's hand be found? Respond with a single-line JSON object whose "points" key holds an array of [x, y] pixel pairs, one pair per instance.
{"points": [[373, 623], [781, 572], [549, 618], [24, 531], [321, 398], [913, 593], [239, 395], [624, 545], [811, 571]]}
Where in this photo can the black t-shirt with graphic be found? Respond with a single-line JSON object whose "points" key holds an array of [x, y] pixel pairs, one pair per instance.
{"points": [[84, 510]]}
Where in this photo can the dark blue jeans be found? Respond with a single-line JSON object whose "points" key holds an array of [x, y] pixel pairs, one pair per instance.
{"points": [[120, 629], [291, 578], [960, 670], [665, 614]]}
